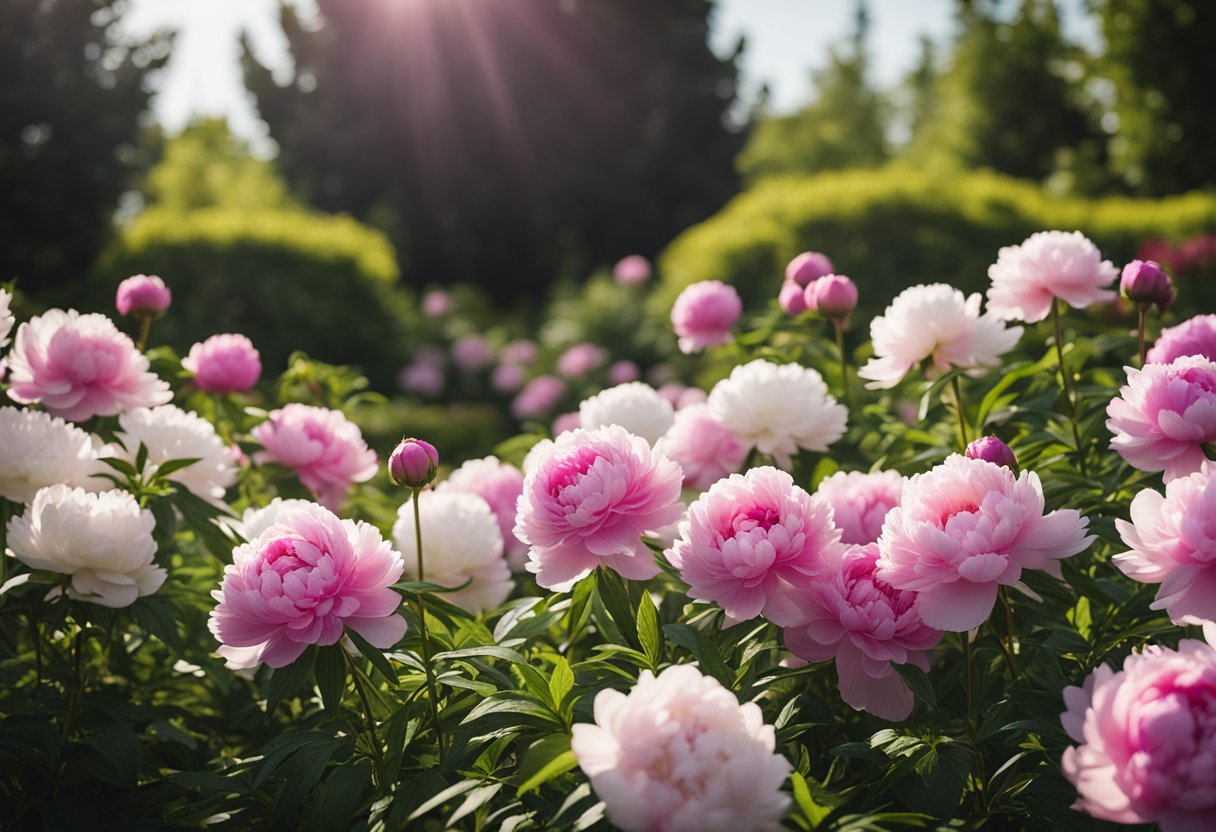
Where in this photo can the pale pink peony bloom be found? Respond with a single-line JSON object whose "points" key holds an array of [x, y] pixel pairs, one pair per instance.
{"points": [[703, 446], [1173, 543], [635, 406], [1027, 279], [1146, 739], [965, 529], [581, 359], [703, 315], [143, 295], [539, 396], [860, 502], [586, 502], [326, 451], [680, 754], [304, 580], [1164, 415], [690, 396], [471, 353], [631, 270], [939, 324], [808, 267], [867, 626], [1196, 336], [623, 372], [80, 366], [227, 363], [499, 485], [507, 378], [565, 422], [750, 539]]}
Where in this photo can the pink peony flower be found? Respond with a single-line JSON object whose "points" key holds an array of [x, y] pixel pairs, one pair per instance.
{"points": [[750, 539], [581, 359], [436, 303], [1164, 415], [521, 352], [623, 372], [587, 501], [304, 580], [1173, 543], [966, 528], [423, 376], [224, 364], [792, 298], [471, 353], [145, 296], [680, 754], [565, 422], [833, 296], [1146, 739], [936, 323], [703, 315], [507, 378], [499, 485], [992, 449], [1146, 283], [851, 615], [632, 270], [326, 451], [1196, 336], [703, 446], [860, 502], [539, 396], [1027, 279], [80, 366], [808, 267]]}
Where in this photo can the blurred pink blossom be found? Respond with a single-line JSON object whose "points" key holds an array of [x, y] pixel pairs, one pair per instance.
{"points": [[226, 363], [860, 502]]}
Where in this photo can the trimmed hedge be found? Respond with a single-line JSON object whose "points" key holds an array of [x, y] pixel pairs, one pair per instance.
{"points": [[897, 226], [288, 279]]}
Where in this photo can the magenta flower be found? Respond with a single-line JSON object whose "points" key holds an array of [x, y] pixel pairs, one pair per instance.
{"points": [[224, 364], [792, 298], [581, 359], [750, 539], [326, 451], [1196, 336], [703, 446], [1173, 543], [965, 529], [808, 267], [860, 502], [80, 366], [623, 372], [413, 463], [703, 315], [833, 296], [588, 500], [144, 296], [471, 353], [499, 485], [1144, 282], [302, 581], [1164, 415], [632, 270], [539, 396], [1027, 279], [1146, 739], [678, 753], [992, 449], [848, 613]]}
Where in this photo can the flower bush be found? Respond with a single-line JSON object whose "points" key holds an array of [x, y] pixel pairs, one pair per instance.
{"points": [[748, 593]]}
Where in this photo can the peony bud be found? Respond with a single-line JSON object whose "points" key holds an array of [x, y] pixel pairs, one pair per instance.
{"points": [[808, 267], [144, 296], [991, 449], [703, 314], [791, 298], [413, 463], [632, 270], [833, 296], [1146, 283], [436, 303]]}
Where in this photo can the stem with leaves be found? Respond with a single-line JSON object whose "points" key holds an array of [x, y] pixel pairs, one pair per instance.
{"points": [[844, 362], [959, 409], [432, 691], [1142, 308], [145, 328], [1069, 401], [373, 738]]}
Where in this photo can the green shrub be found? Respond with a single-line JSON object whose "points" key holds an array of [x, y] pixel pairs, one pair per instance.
{"points": [[897, 226], [288, 279]]}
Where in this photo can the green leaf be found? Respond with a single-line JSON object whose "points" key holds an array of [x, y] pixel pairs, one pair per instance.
{"points": [[341, 795], [561, 682], [813, 812], [443, 797], [141, 457], [705, 651], [285, 681], [918, 682], [330, 673], [475, 800], [489, 650], [374, 655], [171, 466], [120, 465], [648, 631], [546, 759], [615, 595]]}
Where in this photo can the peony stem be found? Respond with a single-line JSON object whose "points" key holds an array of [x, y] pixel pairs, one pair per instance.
{"points": [[844, 362], [432, 694], [1143, 310], [1068, 394], [962, 414], [977, 769], [145, 328], [74, 693], [373, 737], [1009, 637]]}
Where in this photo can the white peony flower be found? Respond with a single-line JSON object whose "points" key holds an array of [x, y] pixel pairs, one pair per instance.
{"points": [[1027, 279], [938, 323], [169, 432], [635, 406], [104, 541], [778, 408], [460, 540], [7, 318], [499, 485], [37, 450], [680, 754]]}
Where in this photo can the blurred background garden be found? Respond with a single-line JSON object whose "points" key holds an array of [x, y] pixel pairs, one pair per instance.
{"points": [[488, 206]]}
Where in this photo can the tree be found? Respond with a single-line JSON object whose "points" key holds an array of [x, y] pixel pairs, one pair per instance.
{"points": [[844, 127], [507, 143], [70, 106], [1160, 59]]}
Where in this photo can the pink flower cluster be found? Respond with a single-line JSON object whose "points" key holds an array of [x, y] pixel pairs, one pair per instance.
{"points": [[1196, 336], [303, 580], [860, 502], [704, 447], [326, 451]]}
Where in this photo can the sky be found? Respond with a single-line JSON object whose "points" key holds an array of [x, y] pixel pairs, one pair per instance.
{"points": [[786, 40]]}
